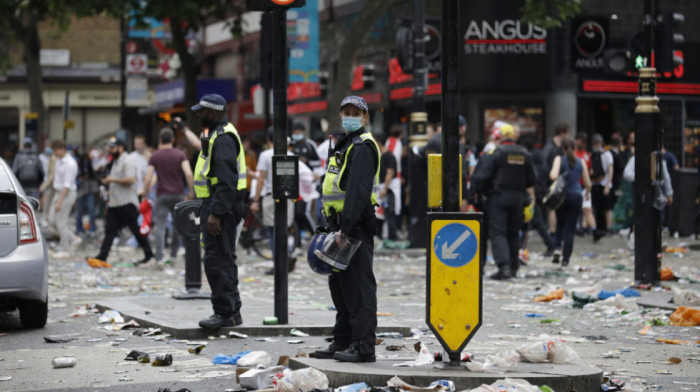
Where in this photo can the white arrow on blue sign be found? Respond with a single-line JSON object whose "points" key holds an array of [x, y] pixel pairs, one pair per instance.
{"points": [[455, 245]]}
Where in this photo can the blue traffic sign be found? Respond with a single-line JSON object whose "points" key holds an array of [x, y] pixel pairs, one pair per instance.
{"points": [[455, 245]]}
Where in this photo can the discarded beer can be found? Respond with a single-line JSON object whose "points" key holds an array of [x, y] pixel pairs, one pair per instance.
{"points": [[63, 362], [449, 385], [270, 320], [136, 355], [163, 360]]}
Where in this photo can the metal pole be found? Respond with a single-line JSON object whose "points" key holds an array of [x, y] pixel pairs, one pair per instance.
{"points": [[420, 72], [647, 252], [266, 64], [122, 70], [450, 110], [279, 48]]}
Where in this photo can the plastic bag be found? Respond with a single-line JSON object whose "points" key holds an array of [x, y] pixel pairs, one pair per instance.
{"points": [[667, 273], [424, 358], [302, 380], [357, 387], [110, 316], [258, 378], [500, 363], [560, 352], [613, 305], [221, 359], [554, 294], [683, 297], [685, 317], [255, 358], [553, 351], [508, 384], [625, 292]]}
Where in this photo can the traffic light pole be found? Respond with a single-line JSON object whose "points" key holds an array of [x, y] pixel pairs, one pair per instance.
{"points": [[419, 117], [279, 38], [647, 231], [450, 104]]}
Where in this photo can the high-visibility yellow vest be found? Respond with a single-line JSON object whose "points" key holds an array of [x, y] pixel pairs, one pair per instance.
{"points": [[333, 196], [203, 182]]}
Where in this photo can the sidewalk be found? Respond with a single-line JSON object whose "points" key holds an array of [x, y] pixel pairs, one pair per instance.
{"points": [[180, 317]]}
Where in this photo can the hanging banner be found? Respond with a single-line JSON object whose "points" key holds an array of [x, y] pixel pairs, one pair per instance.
{"points": [[302, 41]]}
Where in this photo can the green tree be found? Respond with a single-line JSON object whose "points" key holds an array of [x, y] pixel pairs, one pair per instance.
{"points": [[185, 16], [550, 13]]}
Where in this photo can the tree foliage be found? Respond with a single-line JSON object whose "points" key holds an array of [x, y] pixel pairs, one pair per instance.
{"points": [[550, 13]]}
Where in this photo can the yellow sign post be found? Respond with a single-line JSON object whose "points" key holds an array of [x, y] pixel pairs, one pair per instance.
{"points": [[454, 279]]}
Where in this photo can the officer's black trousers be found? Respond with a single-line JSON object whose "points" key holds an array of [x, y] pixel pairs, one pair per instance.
{"points": [[505, 220], [220, 264], [354, 294]]}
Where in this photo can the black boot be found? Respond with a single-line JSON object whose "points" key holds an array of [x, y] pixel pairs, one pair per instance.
{"points": [[328, 353], [502, 274], [352, 354]]}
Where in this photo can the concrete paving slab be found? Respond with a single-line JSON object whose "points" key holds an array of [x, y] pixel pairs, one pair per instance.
{"points": [[566, 377], [180, 318]]}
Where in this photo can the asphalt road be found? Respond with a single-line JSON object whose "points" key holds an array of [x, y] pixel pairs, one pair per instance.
{"points": [[607, 340]]}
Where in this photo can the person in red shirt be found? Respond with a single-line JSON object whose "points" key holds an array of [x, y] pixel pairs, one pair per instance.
{"points": [[588, 219]]}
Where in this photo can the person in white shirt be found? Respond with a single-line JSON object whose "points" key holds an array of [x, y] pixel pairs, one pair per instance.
{"points": [[64, 186], [139, 158]]}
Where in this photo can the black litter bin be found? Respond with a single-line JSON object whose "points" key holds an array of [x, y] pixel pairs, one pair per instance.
{"points": [[187, 224], [682, 212]]}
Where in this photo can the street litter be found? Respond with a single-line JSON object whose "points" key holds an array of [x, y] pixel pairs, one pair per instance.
{"points": [[136, 355], [163, 360], [499, 363], [611, 354], [424, 358], [302, 380], [357, 387], [221, 359], [667, 273], [685, 317], [625, 292], [533, 315], [553, 295], [197, 349], [448, 384], [295, 341], [509, 384], [296, 332], [671, 341], [81, 311], [110, 316], [399, 383], [613, 305], [390, 335], [258, 378], [443, 356], [59, 339], [269, 340], [131, 324], [5, 378], [238, 335], [126, 378], [674, 360], [553, 351], [685, 297], [255, 358], [63, 362], [612, 385]]}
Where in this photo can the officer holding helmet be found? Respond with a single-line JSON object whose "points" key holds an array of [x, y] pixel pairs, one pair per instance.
{"points": [[349, 199], [509, 175], [220, 181]]}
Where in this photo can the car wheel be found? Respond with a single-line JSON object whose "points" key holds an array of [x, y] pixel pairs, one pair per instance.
{"points": [[33, 313]]}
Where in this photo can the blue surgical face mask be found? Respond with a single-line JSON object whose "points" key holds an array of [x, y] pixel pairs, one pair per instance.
{"points": [[297, 136], [48, 150], [352, 124]]}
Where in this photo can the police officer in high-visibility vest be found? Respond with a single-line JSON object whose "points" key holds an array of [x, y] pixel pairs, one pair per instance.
{"points": [[349, 200], [220, 181], [510, 176]]}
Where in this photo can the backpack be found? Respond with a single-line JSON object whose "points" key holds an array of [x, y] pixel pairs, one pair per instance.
{"points": [[597, 172], [28, 166]]}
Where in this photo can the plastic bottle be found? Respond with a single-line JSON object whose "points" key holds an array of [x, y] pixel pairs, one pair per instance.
{"points": [[63, 362]]}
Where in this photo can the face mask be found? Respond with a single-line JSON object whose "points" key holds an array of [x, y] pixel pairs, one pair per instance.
{"points": [[115, 155], [297, 137], [352, 124], [48, 150]]}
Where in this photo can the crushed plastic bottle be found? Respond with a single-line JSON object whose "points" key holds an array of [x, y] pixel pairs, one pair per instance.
{"points": [[63, 362]]}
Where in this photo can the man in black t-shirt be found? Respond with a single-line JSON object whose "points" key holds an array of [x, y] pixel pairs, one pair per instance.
{"points": [[387, 191]]}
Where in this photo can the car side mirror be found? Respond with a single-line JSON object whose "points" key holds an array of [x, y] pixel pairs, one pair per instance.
{"points": [[35, 202]]}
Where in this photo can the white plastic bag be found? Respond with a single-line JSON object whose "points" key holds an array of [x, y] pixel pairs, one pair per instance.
{"points": [[110, 316], [506, 361], [560, 352], [255, 358], [424, 358], [302, 380], [508, 384], [685, 297], [613, 305], [535, 352]]}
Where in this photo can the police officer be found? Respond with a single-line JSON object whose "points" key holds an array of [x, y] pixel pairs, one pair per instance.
{"points": [[510, 176], [220, 181], [349, 198]]}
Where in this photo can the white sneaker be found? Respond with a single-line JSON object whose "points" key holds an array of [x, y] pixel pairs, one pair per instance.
{"points": [[76, 242], [630, 242]]}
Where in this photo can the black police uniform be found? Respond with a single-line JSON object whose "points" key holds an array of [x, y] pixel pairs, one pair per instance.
{"points": [[226, 203], [354, 291], [509, 172]]}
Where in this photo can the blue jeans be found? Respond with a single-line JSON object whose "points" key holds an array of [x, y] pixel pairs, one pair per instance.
{"points": [[86, 201], [567, 216]]}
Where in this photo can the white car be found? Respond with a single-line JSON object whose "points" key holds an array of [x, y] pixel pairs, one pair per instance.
{"points": [[24, 257]]}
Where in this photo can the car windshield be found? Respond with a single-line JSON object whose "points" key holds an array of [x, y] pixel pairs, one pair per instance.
{"points": [[5, 181]]}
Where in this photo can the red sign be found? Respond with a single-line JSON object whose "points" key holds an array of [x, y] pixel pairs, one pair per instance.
{"points": [[131, 47]]}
